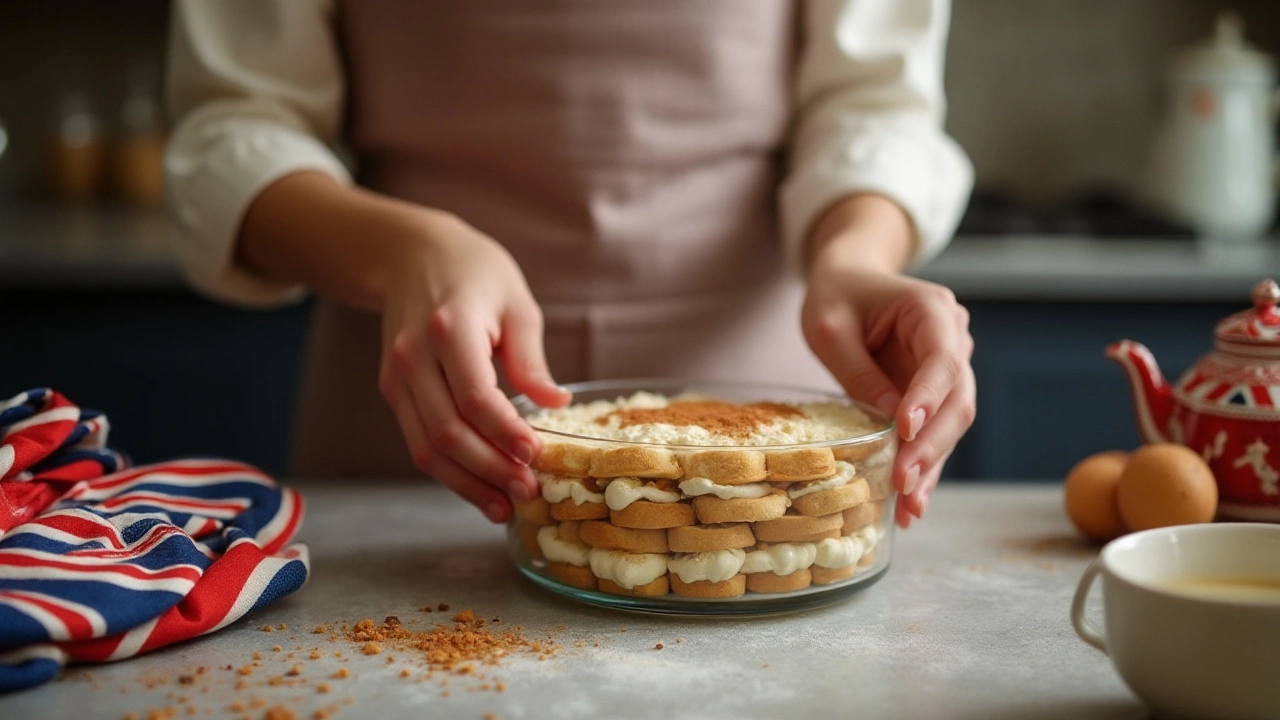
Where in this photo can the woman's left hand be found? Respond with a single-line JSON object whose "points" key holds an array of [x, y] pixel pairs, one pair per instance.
{"points": [[898, 343]]}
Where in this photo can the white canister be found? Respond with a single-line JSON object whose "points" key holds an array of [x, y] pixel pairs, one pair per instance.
{"points": [[1212, 164]]}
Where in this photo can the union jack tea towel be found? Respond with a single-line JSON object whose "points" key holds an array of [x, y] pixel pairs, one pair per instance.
{"points": [[100, 561]]}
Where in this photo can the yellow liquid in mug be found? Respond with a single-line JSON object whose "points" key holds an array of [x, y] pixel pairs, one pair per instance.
{"points": [[1209, 587]]}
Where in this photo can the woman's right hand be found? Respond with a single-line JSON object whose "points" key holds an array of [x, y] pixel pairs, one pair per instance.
{"points": [[453, 303]]}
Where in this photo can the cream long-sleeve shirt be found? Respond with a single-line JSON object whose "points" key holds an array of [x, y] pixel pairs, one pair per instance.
{"points": [[257, 88]]}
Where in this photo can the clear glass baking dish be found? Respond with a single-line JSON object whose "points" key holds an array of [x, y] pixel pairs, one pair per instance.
{"points": [[695, 529]]}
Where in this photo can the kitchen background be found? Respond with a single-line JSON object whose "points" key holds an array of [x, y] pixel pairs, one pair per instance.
{"points": [[1055, 100]]}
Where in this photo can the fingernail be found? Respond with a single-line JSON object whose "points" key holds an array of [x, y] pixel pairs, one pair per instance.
{"points": [[914, 421], [523, 452], [924, 504], [494, 511], [913, 477]]}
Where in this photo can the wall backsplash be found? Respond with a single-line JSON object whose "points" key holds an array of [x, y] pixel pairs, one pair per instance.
{"points": [[1050, 97], [1055, 97]]}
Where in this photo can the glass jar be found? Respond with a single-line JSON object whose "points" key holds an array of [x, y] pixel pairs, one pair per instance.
{"points": [[676, 526]]}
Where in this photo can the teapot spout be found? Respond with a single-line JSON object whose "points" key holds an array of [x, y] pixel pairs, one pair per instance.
{"points": [[1152, 395]]}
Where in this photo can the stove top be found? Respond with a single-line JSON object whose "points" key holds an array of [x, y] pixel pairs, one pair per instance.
{"points": [[1096, 214]]}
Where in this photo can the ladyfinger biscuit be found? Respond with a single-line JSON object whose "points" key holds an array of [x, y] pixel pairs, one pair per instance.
{"points": [[733, 587], [569, 510], [726, 467], [632, 461], [610, 537], [711, 510], [767, 582], [800, 464], [826, 502], [706, 538], [536, 511], [579, 577], [816, 537], [528, 534], [658, 587], [826, 576], [858, 451], [860, 515], [651, 515], [867, 559], [569, 531], [565, 458], [792, 527]]}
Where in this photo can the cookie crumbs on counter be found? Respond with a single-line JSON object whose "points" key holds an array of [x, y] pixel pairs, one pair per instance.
{"points": [[679, 640], [186, 679], [131, 716], [405, 673], [282, 626], [276, 648], [279, 712], [500, 687], [267, 628], [443, 607], [425, 608], [659, 646], [295, 671], [316, 654], [765, 665], [257, 655], [245, 670], [490, 716], [342, 673], [371, 648], [322, 687]]}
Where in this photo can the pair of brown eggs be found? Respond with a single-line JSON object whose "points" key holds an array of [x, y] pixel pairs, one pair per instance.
{"points": [[1115, 492]]}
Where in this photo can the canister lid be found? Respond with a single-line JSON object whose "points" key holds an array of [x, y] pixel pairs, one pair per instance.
{"points": [[1225, 57], [1259, 326]]}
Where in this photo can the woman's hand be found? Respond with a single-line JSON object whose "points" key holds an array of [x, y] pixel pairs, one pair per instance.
{"points": [[898, 343], [451, 306]]}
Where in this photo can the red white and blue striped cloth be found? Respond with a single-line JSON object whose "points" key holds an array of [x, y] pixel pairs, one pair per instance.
{"points": [[100, 561]]}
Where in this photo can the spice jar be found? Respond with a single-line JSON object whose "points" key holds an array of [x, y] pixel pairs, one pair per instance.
{"points": [[78, 150], [138, 163]]}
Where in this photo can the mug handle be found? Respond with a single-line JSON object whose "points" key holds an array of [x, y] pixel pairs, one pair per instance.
{"points": [[1086, 633]]}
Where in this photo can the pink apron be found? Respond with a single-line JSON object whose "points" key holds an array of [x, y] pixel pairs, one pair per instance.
{"points": [[627, 153]]}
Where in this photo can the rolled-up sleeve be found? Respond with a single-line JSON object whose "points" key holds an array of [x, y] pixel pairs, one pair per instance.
{"points": [[255, 88], [870, 112]]}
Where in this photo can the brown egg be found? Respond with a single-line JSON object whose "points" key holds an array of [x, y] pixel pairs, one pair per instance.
{"points": [[1090, 494], [1166, 484]]}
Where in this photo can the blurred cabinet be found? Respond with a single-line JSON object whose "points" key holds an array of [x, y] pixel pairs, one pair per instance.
{"points": [[1048, 397]]}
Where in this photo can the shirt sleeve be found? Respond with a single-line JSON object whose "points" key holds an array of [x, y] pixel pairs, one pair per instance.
{"points": [[255, 88], [870, 111]]}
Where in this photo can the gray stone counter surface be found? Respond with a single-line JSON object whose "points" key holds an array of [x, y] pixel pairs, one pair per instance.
{"points": [[971, 621]]}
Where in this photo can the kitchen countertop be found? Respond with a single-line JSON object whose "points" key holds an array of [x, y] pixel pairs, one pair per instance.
{"points": [[971, 621], [116, 248]]}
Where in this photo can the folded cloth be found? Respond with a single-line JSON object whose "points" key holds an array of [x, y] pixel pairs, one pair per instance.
{"points": [[100, 562]]}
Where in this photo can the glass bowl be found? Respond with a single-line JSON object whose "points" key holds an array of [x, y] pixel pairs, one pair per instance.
{"points": [[666, 516]]}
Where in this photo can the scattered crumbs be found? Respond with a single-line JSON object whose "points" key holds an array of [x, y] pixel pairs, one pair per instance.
{"points": [[444, 694], [267, 628], [295, 671], [342, 673], [443, 607], [465, 616], [276, 648], [186, 679], [237, 707], [597, 644], [245, 670], [915, 628], [500, 686], [371, 648], [282, 626], [405, 673], [659, 646], [623, 630], [337, 653], [496, 620], [490, 716], [279, 712], [316, 654], [320, 630], [322, 687], [257, 703], [679, 640], [765, 665], [131, 716], [241, 684], [257, 655]]}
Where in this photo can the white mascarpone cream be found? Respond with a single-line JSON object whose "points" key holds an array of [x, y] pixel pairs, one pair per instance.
{"points": [[780, 559], [556, 488], [621, 492], [870, 536], [813, 422], [845, 473], [714, 566], [838, 552], [696, 486], [627, 569], [558, 549]]}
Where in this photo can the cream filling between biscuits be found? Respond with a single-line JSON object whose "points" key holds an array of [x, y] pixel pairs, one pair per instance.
{"points": [[780, 559], [621, 492], [712, 566], [696, 486], [627, 569], [845, 474], [556, 489], [839, 552], [558, 549]]}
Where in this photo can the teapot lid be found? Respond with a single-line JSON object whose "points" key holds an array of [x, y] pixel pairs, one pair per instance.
{"points": [[1258, 327], [1226, 57]]}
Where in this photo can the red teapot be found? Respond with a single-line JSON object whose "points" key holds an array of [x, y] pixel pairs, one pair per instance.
{"points": [[1226, 407]]}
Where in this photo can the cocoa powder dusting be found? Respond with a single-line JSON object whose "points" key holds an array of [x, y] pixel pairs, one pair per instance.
{"points": [[732, 420]]}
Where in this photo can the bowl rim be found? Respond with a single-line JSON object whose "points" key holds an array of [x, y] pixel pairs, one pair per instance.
{"points": [[525, 406]]}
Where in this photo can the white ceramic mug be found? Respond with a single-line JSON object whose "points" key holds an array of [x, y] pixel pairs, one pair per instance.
{"points": [[1186, 656]]}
